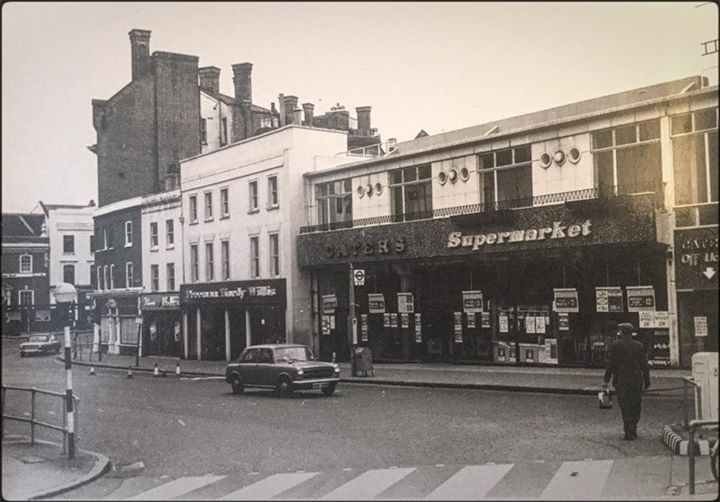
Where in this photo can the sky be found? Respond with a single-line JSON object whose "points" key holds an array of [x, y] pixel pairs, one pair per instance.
{"points": [[420, 65]]}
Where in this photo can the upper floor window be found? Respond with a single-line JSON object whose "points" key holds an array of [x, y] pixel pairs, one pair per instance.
{"points": [[223, 131], [154, 238], [274, 258], [411, 192], [254, 256], [69, 274], [194, 263], [203, 131], [208, 206], [106, 283], [273, 200], [506, 178], [209, 261], [192, 200], [26, 263], [170, 276], [100, 282], [253, 195], [128, 234], [627, 159], [68, 244], [110, 284], [225, 259], [155, 277], [129, 278], [26, 297], [334, 201], [92, 244], [224, 202], [169, 233], [93, 272]]}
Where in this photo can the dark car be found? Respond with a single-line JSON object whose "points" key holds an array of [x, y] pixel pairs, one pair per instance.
{"points": [[283, 367], [40, 344]]}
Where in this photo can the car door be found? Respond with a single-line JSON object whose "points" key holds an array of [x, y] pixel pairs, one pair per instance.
{"points": [[266, 368], [248, 367]]}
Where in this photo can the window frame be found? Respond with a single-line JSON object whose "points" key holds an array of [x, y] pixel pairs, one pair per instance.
{"points": [[327, 202], [100, 283], [254, 256], [192, 209], [224, 202], [169, 233], [203, 131], [66, 267], [25, 269], [273, 201], [223, 131], [225, 259], [209, 261], [128, 233], [170, 276], [208, 205], [129, 274], [112, 276], [274, 254], [495, 170], [403, 185], [21, 292], [154, 277], [154, 236], [68, 238], [194, 264], [253, 196]]}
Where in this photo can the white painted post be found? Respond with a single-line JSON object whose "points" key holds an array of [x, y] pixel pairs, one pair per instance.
{"points": [[186, 348], [199, 334], [248, 329], [69, 395], [96, 337], [227, 335]]}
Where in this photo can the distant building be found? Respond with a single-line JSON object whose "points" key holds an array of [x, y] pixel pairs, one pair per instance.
{"points": [[25, 265]]}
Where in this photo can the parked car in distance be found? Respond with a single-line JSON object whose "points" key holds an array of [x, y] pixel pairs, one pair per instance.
{"points": [[40, 344], [283, 367]]}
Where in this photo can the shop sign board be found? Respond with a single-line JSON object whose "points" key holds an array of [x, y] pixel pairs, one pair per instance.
{"points": [[609, 299], [485, 319], [376, 303], [640, 298], [406, 303], [257, 292], [701, 328], [566, 300], [558, 230], [563, 322], [472, 301], [404, 320], [471, 319], [329, 303], [155, 301], [654, 319], [418, 328], [696, 258]]}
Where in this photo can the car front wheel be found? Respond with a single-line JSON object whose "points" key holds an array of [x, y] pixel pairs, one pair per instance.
{"points": [[328, 391], [284, 387], [237, 385]]}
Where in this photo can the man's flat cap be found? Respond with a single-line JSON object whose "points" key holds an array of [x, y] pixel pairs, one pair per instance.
{"points": [[626, 328]]}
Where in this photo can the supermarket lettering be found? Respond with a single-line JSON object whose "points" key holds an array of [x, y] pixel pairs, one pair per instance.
{"points": [[557, 231]]}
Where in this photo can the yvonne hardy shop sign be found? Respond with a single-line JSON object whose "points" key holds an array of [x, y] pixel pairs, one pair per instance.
{"points": [[160, 302], [269, 292], [555, 232]]}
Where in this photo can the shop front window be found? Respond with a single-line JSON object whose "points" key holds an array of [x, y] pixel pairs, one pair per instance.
{"points": [[411, 193], [506, 178], [334, 201]]}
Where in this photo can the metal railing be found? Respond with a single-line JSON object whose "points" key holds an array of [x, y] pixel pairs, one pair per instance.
{"points": [[694, 424], [32, 421]]}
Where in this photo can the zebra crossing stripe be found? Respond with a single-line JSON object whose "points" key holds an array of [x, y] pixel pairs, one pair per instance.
{"points": [[578, 480], [368, 485], [270, 486], [175, 488], [471, 482]]}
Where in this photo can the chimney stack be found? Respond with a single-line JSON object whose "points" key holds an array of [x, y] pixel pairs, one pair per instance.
{"points": [[243, 81], [290, 106], [308, 109], [363, 118], [139, 52], [281, 106], [209, 80]]}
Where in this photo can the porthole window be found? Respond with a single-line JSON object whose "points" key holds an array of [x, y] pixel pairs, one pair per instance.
{"points": [[464, 174], [378, 188], [453, 176], [369, 190], [361, 191], [442, 177], [559, 157], [545, 160], [574, 155]]}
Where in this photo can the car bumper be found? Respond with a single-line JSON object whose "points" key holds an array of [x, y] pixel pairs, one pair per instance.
{"points": [[32, 350], [317, 383]]}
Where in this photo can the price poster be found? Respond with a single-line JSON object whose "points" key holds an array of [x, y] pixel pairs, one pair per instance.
{"points": [[326, 325], [393, 320], [540, 325], [701, 326], [530, 324], [640, 298], [503, 323], [376, 303], [563, 322], [566, 300], [406, 303], [472, 301], [608, 299], [458, 326], [332, 321], [471, 319], [404, 320], [386, 320], [418, 328], [329, 302], [485, 319], [364, 327]]}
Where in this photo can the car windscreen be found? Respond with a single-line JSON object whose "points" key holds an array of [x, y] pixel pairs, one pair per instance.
{"points": [[293, 354], [38, 338]]}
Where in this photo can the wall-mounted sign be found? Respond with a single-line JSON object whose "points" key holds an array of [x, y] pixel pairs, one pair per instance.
{"points": [[155, 301], [640, 298], [359, 277], [329, 303], [457, 317], [563, 321], [470, 319], [404, 320], [325, 327], [701, 328], [485, 319], [376, 303], [556, 231], [649, 319], [530, 324], [386, 320], [406, 303], [503, 323], [696, 258], [367, 248], [608, 299], [418, 328], [364, 327], [566, 300], [472, 301], [393, 320], [258, 292], [540, 324]]}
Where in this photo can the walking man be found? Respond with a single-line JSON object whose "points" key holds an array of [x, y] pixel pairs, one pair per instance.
{"points": [[627, 365]]}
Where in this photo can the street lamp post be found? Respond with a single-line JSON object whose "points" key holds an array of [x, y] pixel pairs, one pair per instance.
{"points": [[67, 294]]}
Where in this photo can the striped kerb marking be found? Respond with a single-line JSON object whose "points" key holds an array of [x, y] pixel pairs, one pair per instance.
{"points": [[175, 488], [269, 487], [470, 483], [578, 480], [368, 484]]}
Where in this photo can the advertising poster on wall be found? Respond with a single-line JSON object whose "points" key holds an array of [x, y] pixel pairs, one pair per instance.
{"points": [[406, 303], [364, 327], [386, 320], [472, 301], [701, 327], [457, 316], [530, 324], [609, 299], [503, 323], [640, 298], [485, 319], [376, 303], [471, 320], [393, 320], [404, 320], [326, 325], [566, 300], [540, 324], [418, 328], [563, 322], [329, 302]]}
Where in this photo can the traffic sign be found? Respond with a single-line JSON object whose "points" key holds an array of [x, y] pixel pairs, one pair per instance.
{"points": [[359, 277]]}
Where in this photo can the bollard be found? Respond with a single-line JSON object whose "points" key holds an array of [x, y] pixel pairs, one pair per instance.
{"points": [[129, 374], [156, 371], [691, 460], [69, 396], [177, 369], [92, 371]]}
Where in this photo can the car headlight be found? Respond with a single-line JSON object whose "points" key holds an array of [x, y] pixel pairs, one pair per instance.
{"points": [[337, 368], [300, 372]]}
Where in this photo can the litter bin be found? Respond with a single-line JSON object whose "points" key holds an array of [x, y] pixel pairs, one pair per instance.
{"points": [[363, 361]]}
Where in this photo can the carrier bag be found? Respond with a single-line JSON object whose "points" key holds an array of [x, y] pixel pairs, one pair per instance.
{"points": [[604, 399]]}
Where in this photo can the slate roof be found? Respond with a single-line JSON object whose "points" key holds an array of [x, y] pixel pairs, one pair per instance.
{"points": [[23, 227]]}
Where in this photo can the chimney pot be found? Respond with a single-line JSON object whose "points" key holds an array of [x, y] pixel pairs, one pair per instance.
{"points": [[242, 79], [363, 117], [209, 77], [139, 52], [308, 109]]}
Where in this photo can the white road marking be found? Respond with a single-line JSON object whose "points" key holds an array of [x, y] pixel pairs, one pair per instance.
{"points": [[470, 483], [578, 480], [195, 379], [368, 485], [175, 488], [271, 486]]}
